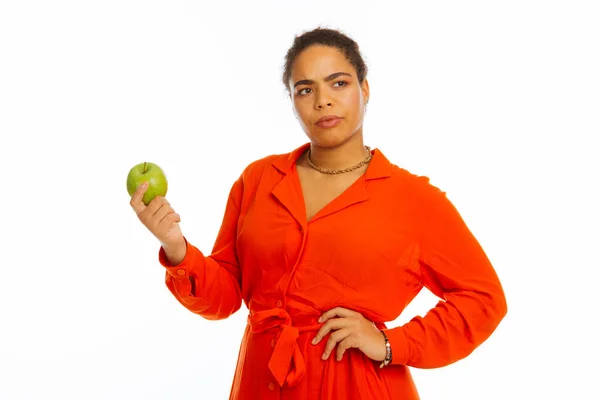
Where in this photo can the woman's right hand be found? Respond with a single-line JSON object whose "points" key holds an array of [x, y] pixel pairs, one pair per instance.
{"points": [[160, 219]]}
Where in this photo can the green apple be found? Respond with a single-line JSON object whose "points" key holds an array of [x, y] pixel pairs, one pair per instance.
{"points": [[151, 173]]}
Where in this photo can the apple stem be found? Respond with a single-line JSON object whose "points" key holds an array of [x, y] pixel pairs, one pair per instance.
{"points": [[144, 167]]}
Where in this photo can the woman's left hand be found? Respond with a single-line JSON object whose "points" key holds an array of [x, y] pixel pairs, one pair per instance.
{"points": [[351, 329]]}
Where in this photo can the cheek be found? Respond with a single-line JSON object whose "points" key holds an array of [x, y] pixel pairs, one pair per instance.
{"points": [[352, 101], [303, 114]]}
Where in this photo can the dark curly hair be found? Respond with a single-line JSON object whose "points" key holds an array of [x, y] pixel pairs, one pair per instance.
{"points": [[328, 37]]}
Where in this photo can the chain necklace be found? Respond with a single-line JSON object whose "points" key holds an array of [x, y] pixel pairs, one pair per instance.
{"points": [[340, 171]]}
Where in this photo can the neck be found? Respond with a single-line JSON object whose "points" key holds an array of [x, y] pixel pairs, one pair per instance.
{"points": [[339, 157]]}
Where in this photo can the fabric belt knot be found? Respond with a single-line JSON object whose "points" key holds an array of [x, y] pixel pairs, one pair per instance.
{"points": [[286, 363]]}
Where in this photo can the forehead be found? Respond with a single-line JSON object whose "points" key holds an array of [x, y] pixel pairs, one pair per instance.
{"points": [[318, 62]]}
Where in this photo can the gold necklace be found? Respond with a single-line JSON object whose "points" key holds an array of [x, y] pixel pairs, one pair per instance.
{"points": [[340, 171]]}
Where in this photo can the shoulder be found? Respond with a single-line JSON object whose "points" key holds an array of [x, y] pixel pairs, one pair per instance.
{"points": [[419, 186], [253, 172], [401, 180], [256, 168], [281, 161]]}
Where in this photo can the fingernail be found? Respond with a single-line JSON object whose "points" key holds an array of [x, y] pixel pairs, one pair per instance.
{"points": [[314, 341], [323, 357], [320, 319], [144, 185]]}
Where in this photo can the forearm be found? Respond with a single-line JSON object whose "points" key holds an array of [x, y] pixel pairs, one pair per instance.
{"points": [[449, 332], [204, 285]]}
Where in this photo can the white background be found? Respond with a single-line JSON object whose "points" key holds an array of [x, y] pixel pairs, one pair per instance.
{"points": [[497, 102]]}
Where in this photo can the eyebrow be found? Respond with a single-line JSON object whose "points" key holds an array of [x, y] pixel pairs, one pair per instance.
{"points": [[327, 79]]}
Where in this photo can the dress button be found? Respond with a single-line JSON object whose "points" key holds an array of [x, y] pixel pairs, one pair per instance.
{"points": [[279, 303], [181, 272], [271, 386]]}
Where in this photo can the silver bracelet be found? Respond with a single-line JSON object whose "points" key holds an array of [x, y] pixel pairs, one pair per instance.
{"points": [[388, 352]]}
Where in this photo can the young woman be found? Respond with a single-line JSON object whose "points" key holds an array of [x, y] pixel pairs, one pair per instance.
{"points": [[326, 243]]}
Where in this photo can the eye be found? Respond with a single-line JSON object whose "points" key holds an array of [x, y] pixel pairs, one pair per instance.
{"points": [[343, 83], [301, 92]]}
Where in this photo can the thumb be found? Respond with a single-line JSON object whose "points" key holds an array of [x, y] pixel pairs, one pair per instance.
{"points": [[136, 198]]}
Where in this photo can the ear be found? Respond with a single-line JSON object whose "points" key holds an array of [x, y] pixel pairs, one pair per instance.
{"points": [[365, 90]]}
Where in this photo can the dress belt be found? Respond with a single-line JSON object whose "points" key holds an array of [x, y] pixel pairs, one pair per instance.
{"points": [[286, 363]]}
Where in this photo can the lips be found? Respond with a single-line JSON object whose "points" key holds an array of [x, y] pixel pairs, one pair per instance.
{"points": [[328, 121], [327, 118]]}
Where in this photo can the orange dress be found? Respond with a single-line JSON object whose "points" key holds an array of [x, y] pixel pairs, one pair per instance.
{"points": [[371, 250]]}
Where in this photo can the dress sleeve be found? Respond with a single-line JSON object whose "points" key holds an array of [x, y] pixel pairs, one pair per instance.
{"points": [[472, 303], [210, 285]]}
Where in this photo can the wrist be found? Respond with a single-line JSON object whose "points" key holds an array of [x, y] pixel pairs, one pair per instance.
{"points": [[175, 252], [388, 351]]}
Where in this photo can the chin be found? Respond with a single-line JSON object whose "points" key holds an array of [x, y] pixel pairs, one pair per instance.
{"points": [[330, 139]]}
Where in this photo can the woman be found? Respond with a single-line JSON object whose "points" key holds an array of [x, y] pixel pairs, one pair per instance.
{"points": [[324, 245]]}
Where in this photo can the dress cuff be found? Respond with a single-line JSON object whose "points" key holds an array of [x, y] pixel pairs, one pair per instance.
{"points": [[181, 270], [398, 344]]}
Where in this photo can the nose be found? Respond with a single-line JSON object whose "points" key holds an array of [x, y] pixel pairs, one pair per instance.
{"points": [[322, 100]]}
